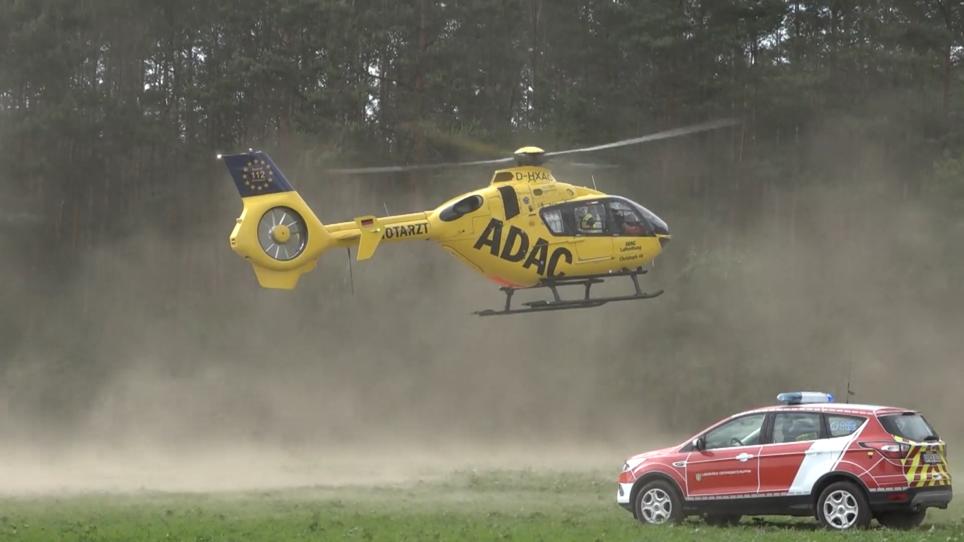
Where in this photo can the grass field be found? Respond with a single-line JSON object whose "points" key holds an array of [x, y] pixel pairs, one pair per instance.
{"points": [[496, 505]]}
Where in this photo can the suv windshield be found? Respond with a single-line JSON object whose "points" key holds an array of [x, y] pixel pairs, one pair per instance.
{"points": [[742, 431], [909, 425]]}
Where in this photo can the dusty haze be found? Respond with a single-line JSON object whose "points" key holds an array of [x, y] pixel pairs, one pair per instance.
{"points": [[160, 364]]}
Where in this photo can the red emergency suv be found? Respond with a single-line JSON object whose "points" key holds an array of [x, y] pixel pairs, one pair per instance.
{"points": [[843, 463]]}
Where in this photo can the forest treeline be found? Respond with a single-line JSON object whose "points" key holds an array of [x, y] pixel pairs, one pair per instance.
{"points": [[101, 101], [115, 212]]}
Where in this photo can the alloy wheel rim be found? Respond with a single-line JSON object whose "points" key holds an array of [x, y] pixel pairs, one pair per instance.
{"points": [[840, 509], [656, 506]]}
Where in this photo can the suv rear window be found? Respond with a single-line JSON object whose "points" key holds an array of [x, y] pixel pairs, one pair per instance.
{"points": [[909, 425]]}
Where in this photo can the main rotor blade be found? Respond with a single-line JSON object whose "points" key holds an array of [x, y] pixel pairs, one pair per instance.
{"points": [[666, 134], [590, 165], [417, 167]]}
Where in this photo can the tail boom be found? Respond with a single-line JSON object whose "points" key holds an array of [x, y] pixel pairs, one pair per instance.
{"points": [[367, 232], [280, 236]]}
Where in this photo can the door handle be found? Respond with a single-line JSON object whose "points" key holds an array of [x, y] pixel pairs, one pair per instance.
{"points": [[744, 457]]}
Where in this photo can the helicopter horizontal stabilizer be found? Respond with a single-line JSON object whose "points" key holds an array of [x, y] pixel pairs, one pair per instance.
{"points": [[370, 235]]}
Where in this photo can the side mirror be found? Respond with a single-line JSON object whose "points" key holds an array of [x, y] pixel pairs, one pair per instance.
{"points": [[698, 444]]}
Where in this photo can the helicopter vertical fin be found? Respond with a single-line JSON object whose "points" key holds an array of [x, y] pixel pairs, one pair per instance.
{"points": [[255, 174], [277, 232]]}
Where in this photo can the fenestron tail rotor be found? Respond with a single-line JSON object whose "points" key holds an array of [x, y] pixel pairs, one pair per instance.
{"points": [[536, 156], [277, 232], [282, 233]]}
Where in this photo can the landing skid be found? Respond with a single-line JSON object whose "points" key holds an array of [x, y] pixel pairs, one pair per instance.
{"points": [[558, 303]]}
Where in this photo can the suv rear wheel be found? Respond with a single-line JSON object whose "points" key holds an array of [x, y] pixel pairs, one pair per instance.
{"points": [[657, 503], [842, 506]]}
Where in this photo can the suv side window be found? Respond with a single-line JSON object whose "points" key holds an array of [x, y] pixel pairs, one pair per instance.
{"points": [[841, 426], [743, 431], [795, 427]]}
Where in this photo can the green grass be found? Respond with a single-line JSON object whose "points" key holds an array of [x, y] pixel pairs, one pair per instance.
{"points": [[503, 505]]}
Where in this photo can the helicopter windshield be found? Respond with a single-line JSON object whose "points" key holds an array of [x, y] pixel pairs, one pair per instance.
{"points": [[659, 226]]}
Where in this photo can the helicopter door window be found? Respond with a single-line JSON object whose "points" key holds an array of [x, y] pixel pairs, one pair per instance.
{"points": [[626, 220], [590, 219], [553, 219]]}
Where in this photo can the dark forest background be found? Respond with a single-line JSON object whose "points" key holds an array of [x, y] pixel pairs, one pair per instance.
{"points": [[818, 240]]}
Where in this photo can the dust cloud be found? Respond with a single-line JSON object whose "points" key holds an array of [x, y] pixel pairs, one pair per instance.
{"points": [[158, 363]]}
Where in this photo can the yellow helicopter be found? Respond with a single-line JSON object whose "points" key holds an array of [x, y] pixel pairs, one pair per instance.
{"points": [[524, 230]]}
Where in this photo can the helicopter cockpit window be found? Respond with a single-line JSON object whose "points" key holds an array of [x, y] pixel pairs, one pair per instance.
{"points": [[626, 220], [590, 218], [553, 219], [460, 208]]}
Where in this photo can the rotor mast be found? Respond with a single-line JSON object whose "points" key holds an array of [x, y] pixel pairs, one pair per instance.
{"points": [[529, 156]]}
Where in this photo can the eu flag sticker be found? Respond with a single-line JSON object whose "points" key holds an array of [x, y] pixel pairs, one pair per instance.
{"points": [[257, 175], [254, 174]]}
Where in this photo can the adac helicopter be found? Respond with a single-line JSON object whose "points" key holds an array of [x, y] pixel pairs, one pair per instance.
{"points": [[524, 230]]}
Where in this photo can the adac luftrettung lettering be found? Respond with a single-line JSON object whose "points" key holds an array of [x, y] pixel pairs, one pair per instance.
{"points": [[515, 248]]}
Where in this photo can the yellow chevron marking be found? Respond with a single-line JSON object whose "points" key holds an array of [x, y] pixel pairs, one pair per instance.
{"points": [[914, 464], [922, 475], [945, 475]]}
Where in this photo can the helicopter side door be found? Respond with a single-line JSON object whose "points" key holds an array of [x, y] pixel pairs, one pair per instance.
{"points": [[584, 225], [603, 229], [592, 228]]}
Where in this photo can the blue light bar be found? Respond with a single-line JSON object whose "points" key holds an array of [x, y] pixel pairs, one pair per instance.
{"points": [[804, 397]]}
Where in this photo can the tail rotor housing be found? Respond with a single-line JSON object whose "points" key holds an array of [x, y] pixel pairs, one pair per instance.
{"points": [[277, 232]]}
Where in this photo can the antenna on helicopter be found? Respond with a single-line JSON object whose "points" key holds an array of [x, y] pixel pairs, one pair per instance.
{"points": [[850, 370], [351, 276]]}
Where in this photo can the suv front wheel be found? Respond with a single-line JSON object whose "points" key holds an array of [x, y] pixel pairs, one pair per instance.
{"points": [[657, 503], [842, 506]]}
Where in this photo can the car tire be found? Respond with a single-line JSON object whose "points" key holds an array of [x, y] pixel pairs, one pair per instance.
{"points": [[843, 506], [658, 503], [721, 520], [902, 520]]}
